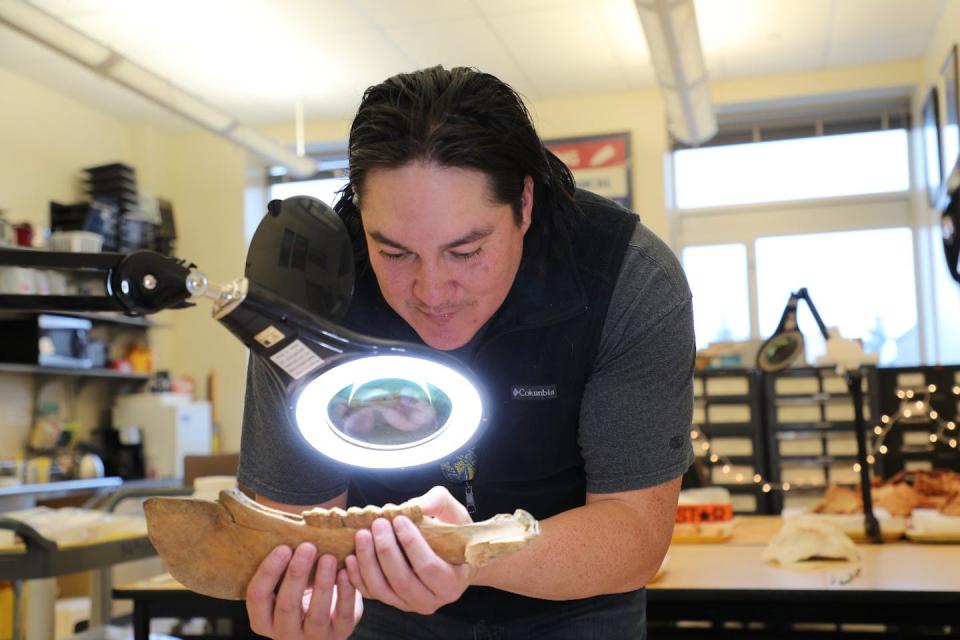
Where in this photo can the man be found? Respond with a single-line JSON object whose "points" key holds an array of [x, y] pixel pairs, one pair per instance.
{"points": [[471, 238]]}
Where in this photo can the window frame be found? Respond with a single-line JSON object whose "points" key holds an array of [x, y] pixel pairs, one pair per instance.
{"points": [[746, 123], [746, 223]]}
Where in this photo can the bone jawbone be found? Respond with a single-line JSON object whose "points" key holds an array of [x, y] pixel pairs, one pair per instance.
{"points": [[214, 548]]}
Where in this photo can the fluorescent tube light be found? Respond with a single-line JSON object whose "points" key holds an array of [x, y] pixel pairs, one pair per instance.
{"points": [[670, 27]]}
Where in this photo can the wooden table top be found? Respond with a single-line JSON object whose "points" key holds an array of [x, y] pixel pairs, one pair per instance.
{"points": [[737, 564], [896, 567], [162, 582]]}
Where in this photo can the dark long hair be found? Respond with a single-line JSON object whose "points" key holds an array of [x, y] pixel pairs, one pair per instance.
{"points": [[458, 117]]}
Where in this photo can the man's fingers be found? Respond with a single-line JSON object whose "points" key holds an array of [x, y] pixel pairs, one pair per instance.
{"points": [[400, 576], [353, 572], [371, 574], [349, 607], [260, 590], [317, 618], [288, 610], [429, 568], [439, 503]]}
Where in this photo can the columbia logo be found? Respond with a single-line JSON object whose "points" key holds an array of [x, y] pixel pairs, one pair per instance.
{"points": [[534, 392]]}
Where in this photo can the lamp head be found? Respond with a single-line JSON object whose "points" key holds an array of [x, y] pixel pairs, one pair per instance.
{"points": [[786, 344], [779, 351]]}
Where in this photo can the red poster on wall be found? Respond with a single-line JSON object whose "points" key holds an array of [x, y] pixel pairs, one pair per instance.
{"points": [[600, 164]]}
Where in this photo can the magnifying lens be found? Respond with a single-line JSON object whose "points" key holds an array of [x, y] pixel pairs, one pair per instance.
{"points": [[780, 350]]}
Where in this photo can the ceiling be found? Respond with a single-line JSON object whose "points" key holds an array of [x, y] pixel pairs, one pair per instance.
{"points": [[254, 58]]}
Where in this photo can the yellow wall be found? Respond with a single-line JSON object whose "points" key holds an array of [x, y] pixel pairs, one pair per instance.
{"points": [[822, 82], [208, 178], [45, 141]]}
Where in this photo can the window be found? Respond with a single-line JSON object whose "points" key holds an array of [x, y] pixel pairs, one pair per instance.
{"points": [[325, 189], [862, 282], [325, 185], [816, 198], [721, 299], [798, 169]]}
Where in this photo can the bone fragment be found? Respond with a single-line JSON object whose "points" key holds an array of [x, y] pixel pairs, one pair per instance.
{"points": [[214, 548]]}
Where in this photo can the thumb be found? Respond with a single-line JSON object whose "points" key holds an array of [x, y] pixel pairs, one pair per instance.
{"points": [[439, 503]]}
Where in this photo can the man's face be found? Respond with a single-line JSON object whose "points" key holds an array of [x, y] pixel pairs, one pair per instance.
{"points": [[445, 255]]}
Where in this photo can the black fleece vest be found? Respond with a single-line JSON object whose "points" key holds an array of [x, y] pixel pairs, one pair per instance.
{"points": [[533, 360]]}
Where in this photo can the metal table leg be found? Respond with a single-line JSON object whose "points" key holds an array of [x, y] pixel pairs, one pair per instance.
{"points": [[17, 615], [141, 620], [101, 600]]}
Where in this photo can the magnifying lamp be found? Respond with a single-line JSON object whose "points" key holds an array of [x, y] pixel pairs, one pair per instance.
{"points": [[782, 348], [786, 344], [358, 399]]}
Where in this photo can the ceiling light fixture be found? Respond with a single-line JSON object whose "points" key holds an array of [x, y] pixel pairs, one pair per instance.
{"points": [[671, 30]]}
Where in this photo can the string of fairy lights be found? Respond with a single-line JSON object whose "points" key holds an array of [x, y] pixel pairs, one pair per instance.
{"points": [[915, 406], [703, 441]]}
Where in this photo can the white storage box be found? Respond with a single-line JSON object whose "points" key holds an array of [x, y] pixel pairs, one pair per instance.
{"points": [[173, 426]]}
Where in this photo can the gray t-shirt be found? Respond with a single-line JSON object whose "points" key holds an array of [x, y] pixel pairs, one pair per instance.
{"points": [[635, 416]]}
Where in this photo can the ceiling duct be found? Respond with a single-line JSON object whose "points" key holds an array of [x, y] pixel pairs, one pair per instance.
{"points": [[670, 27], [51, 32]]}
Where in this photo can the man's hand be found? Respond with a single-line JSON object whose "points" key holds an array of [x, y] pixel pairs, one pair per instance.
{"points": [[330, 610], [395, 565]]}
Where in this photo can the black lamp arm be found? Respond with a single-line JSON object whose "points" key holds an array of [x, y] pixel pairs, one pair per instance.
{"points": [[802, 293], [137, 283], [871, 525], [269, 324]]}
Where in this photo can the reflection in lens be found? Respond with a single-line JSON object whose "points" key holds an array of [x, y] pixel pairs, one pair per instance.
{"points": [[389, 412]]}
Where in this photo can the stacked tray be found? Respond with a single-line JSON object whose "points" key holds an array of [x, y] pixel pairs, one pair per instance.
{"points": [[95, 217], [116, 184]]}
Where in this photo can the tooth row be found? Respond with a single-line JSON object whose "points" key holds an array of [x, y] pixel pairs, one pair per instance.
{"points": [[357, 517]]}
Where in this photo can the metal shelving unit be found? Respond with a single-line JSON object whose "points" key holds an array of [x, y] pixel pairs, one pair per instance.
{"points": [[94, 387], [811, 441], [908, 442], [797, 427], [72, 372], [108, 317], [728, 411]]}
